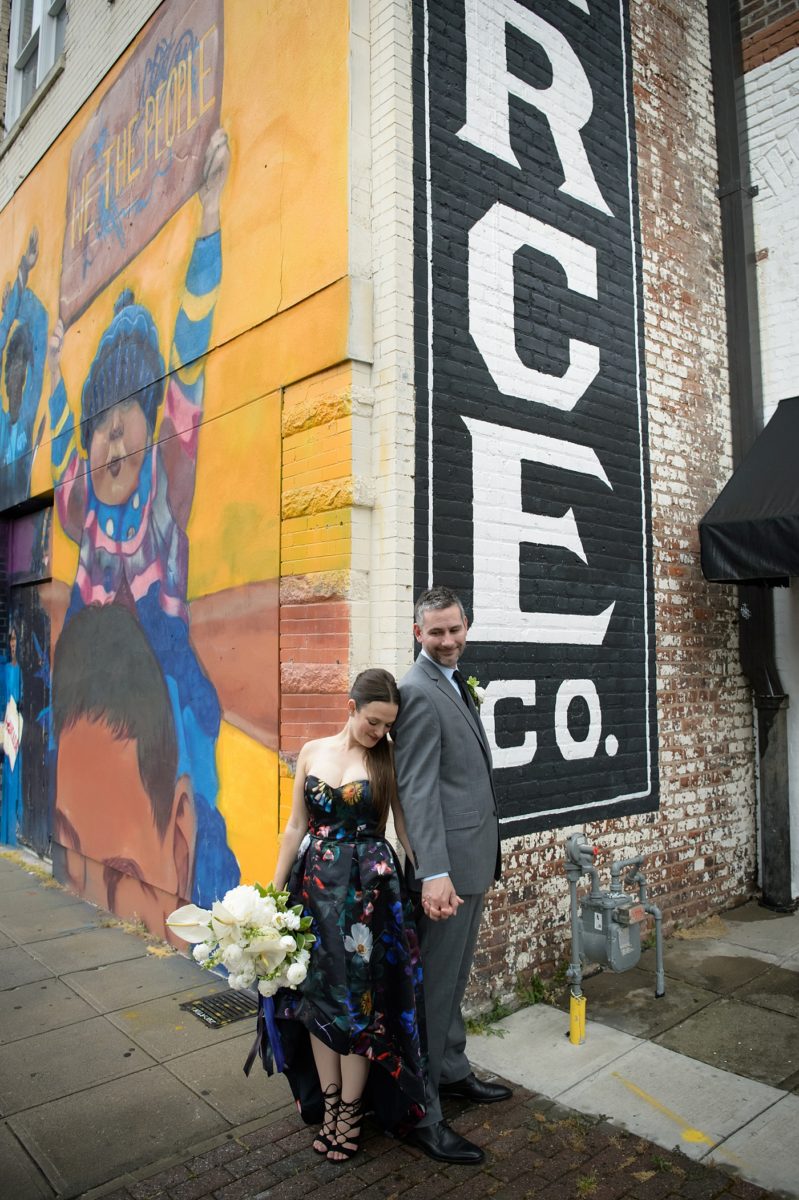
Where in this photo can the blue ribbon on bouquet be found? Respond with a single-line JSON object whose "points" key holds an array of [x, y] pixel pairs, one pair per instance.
{"points": [[267, 1045]]}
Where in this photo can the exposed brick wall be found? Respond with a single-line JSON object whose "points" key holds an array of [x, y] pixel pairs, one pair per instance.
{"points": [[701, 844], [771, 42], [756, 15]]}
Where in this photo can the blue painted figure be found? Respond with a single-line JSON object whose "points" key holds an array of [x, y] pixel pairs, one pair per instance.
{"points": [[128, 512], [23, 348], [11, 808]]}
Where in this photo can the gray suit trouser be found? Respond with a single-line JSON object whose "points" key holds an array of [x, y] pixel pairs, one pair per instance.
{"points": [[447, 949]]}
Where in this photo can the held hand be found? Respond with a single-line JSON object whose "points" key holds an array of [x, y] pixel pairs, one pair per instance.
{"points": [[439, 898]]}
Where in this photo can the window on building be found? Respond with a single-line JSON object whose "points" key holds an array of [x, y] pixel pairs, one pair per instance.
{"points": [[35, 42]]}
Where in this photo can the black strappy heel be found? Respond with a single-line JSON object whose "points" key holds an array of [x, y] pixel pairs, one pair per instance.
{"points": [[348, 1130], [325, 1139]]}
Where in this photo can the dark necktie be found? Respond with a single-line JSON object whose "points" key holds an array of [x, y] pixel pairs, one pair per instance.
{"points": [[462, 687]]}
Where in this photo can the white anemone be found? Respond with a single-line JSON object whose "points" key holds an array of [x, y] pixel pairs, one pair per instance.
{"points": [[359, 941]]}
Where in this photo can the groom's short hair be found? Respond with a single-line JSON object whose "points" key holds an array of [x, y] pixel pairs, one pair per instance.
{"points": [[434, 599]]}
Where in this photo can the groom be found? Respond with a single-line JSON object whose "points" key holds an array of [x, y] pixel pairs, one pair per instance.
{"points": [[447, 794]]}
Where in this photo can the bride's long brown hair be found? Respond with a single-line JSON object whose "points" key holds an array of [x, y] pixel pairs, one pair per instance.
{"points": [[372, 685]]}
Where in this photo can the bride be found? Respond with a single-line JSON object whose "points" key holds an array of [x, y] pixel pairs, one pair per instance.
{"points": [[359, 1009]]}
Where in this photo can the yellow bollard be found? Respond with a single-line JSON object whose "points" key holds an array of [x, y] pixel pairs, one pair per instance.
{"points": [[576, 1020]]}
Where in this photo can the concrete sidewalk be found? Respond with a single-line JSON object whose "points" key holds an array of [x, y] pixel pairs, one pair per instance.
{"points": [[711, 1068], [108, 1088]]}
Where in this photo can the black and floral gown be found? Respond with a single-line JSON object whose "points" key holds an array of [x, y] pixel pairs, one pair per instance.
{"points": [[363, 991]]}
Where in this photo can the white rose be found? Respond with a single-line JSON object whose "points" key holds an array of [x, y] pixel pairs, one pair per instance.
{"points": [[242, 902], [233, 956], [295, 974], [267, 987], [292, 920], [246, 975], [279, 920], [480, 694], [201, 952], [264, 913], [288, 943]]}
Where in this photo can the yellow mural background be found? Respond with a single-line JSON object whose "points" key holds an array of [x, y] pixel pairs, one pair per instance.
{"points": [[285, 108]]}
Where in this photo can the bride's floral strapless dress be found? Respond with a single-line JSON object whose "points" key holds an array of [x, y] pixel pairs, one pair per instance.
{"points": [[363, 991]]}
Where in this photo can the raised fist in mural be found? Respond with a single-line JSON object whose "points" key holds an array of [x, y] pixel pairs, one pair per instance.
{"points": [[32, 253], [28, 260], [54, 348], [215, 171]]}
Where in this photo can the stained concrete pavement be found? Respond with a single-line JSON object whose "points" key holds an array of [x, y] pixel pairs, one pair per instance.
{"points": [[108, 1088], [711, 1068]]}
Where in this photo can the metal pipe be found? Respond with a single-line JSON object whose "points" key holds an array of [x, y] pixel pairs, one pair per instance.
{"points": [[575, 972], [654, 911], [616, 869]]}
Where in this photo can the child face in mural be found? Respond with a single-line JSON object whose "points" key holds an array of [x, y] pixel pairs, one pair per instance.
{"points": [[125, 824], [119, 441], [113, 851]]}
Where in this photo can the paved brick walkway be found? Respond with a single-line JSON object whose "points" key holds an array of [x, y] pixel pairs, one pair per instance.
{"points": [[534, 1148]]}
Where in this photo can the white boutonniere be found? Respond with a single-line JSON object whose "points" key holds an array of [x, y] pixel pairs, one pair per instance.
{"points": [[477, 692]]}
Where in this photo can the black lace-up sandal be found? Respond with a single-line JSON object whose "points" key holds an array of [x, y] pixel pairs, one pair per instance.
{"points": [[348, 1131], [325, 1139]]}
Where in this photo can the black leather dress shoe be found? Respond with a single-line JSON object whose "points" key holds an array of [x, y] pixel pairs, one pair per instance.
{"points": [[441, 1142], [472, 1088]]}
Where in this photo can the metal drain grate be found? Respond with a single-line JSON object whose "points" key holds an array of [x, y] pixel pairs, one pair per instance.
{"points": [[222, 1008]]}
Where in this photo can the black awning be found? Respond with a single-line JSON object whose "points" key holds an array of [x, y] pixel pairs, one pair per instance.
{"points": [[752, 531]]}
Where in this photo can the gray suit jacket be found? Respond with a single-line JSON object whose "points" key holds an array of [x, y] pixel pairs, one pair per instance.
{"points": [[445, 783]]}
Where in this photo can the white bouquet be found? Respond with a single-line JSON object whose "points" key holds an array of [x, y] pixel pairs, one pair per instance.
{"points": [[254, 933]]}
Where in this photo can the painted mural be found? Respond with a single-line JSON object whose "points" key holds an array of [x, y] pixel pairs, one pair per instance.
{"points": [[23, 347], [146, 357], [532, 475]]}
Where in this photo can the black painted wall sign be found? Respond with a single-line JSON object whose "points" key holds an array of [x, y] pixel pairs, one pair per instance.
{"points": [[532, 489]]}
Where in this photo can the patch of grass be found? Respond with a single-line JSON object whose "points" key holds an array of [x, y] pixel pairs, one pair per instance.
{"points": [[483, 1023], [32, 868], [532, 989], [586, 1185], [137, 927], [665, 1165]]}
